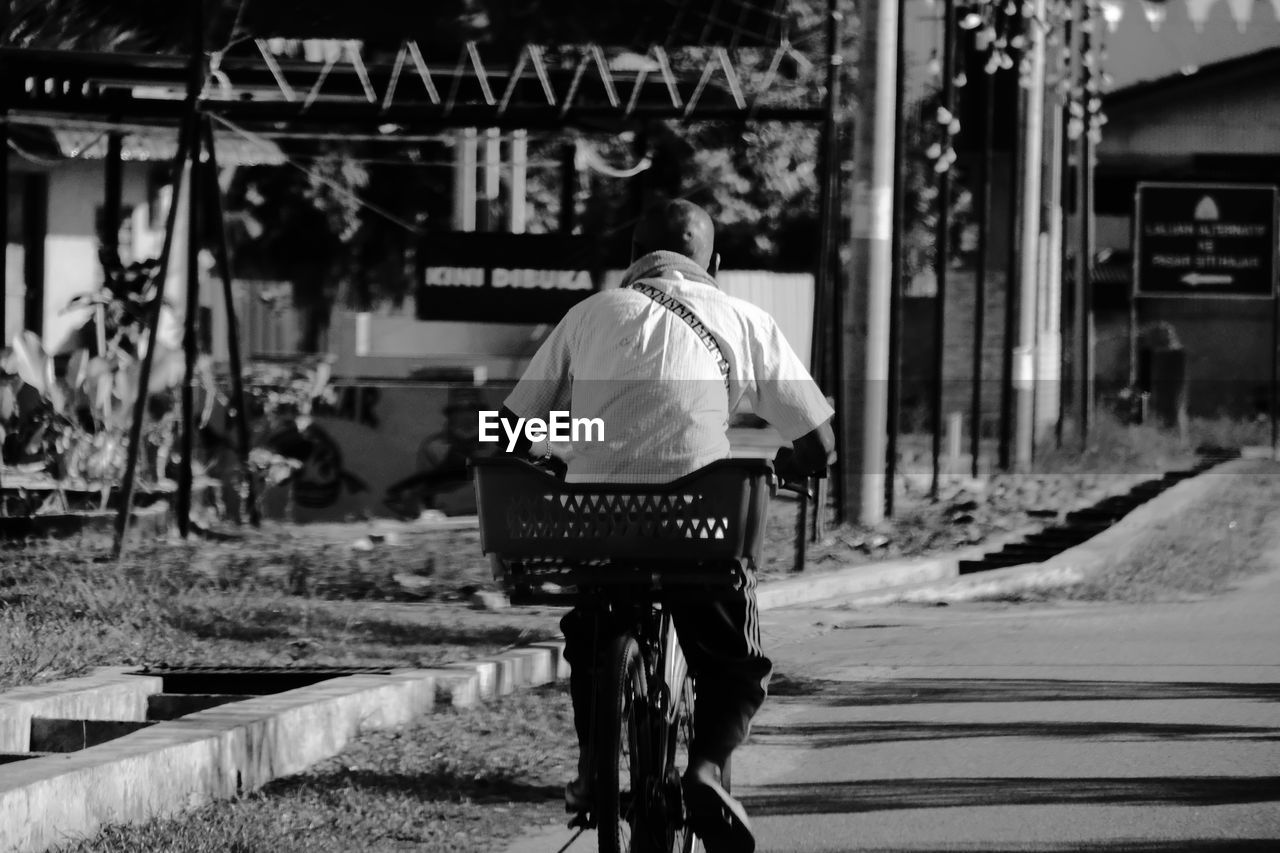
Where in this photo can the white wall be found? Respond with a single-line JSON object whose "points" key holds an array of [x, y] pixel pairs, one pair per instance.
{"points": [[373, 345], [71, 246]]}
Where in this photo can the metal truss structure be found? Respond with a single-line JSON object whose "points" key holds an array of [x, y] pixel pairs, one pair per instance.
{"points": [[338, 86]]}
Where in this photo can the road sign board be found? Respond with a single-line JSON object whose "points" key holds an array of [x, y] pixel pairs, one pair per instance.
{"points": [[1204, 240]]}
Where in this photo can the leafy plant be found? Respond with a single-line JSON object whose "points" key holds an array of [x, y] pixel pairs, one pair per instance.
{"points": [[282, 399], [76, 424]]}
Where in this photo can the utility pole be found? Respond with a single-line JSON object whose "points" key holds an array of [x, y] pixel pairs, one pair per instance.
{"points": [[894, 395], [1025, 369], [1084, 264], [983, 205], [864, 310], [5, 7], [942, 244]]}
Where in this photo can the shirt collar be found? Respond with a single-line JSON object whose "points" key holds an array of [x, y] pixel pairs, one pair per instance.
{"points": [[668, 265]]}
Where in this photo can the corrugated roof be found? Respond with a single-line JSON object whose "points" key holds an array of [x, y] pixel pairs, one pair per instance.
{"points": [[1263, 64]]}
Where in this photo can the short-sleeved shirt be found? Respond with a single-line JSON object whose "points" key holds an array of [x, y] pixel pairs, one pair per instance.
{"points": [[654, 385]]}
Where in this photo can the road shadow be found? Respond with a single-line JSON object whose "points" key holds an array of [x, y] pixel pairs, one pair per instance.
{"points": [[427, 787], [826, 735], [916, 691], [937, 793]]}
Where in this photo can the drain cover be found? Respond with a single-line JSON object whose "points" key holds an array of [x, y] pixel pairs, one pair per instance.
{"points": [[249, 680]]}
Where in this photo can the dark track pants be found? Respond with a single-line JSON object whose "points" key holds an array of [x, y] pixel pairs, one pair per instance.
{"points": [[721, 641]]}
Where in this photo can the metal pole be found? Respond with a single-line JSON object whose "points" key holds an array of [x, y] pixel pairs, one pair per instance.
{"points": [[1026, 370], [190, 339], [223, 260], [1275, 374], [1012, 289], [893, 424], [942, 247], [492, 179], [112, 194], [153, 322], [1051, 258], [1133, 299], [980, 276], [1085, 263], [4, 223], [1275, 343], [802, 509], [464, 180], [5, 7], [865, 314], [112, 200], [828, 209], [1071, 304]]}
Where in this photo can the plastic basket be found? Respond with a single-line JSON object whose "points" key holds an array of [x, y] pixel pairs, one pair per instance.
{"points": [[717, 515]]}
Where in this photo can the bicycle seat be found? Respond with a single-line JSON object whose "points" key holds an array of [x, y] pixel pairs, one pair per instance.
{"points": [[532, 523]]}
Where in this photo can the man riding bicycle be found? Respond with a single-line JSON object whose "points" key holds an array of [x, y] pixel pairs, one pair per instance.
{"points": [[663, 361]]}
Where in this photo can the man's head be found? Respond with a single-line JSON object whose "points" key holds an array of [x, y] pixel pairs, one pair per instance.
{"points": [[677, 226]]}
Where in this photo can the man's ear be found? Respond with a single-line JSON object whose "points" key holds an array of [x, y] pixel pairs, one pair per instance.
{"points": [[713, 268]]}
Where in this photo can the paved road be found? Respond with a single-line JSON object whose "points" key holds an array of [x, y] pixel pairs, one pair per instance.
{"points": [[1018, 727]]}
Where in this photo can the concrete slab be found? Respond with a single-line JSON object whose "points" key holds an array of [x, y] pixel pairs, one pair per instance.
{"points": [[176, 765], [109, 693]]}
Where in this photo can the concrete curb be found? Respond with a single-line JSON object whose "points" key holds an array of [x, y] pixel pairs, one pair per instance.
{"points": [[108, 693], [1065, 569], [817, 587], [221, 752]]}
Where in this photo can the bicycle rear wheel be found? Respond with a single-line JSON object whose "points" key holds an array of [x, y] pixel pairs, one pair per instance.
{"points": [[681, 738], [623, 755]]}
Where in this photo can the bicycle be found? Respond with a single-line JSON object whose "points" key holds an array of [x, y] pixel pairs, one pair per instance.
{"points": [[610, 547]]}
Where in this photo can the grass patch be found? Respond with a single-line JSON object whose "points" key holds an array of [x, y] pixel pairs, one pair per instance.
{"points": [[250, 602], [457, 781]]}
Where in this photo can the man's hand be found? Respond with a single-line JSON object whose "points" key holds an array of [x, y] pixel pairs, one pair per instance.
{"points": [[809, 456], [813, 454]]}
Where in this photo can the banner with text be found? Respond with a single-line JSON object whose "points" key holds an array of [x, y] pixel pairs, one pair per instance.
{"points": [[1205, 240], [503, 278]]}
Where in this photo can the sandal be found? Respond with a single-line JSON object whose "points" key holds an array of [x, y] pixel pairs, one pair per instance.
{"points": [[718, 819], [578, 796]]}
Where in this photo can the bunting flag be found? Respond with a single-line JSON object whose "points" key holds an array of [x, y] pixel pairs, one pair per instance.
{"points": [[1156, 12], [1198, 12], [1242, 11], [1112, 13]]}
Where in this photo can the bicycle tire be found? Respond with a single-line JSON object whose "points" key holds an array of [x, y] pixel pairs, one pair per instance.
{"points": [[623, 754], [682, 840]]}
